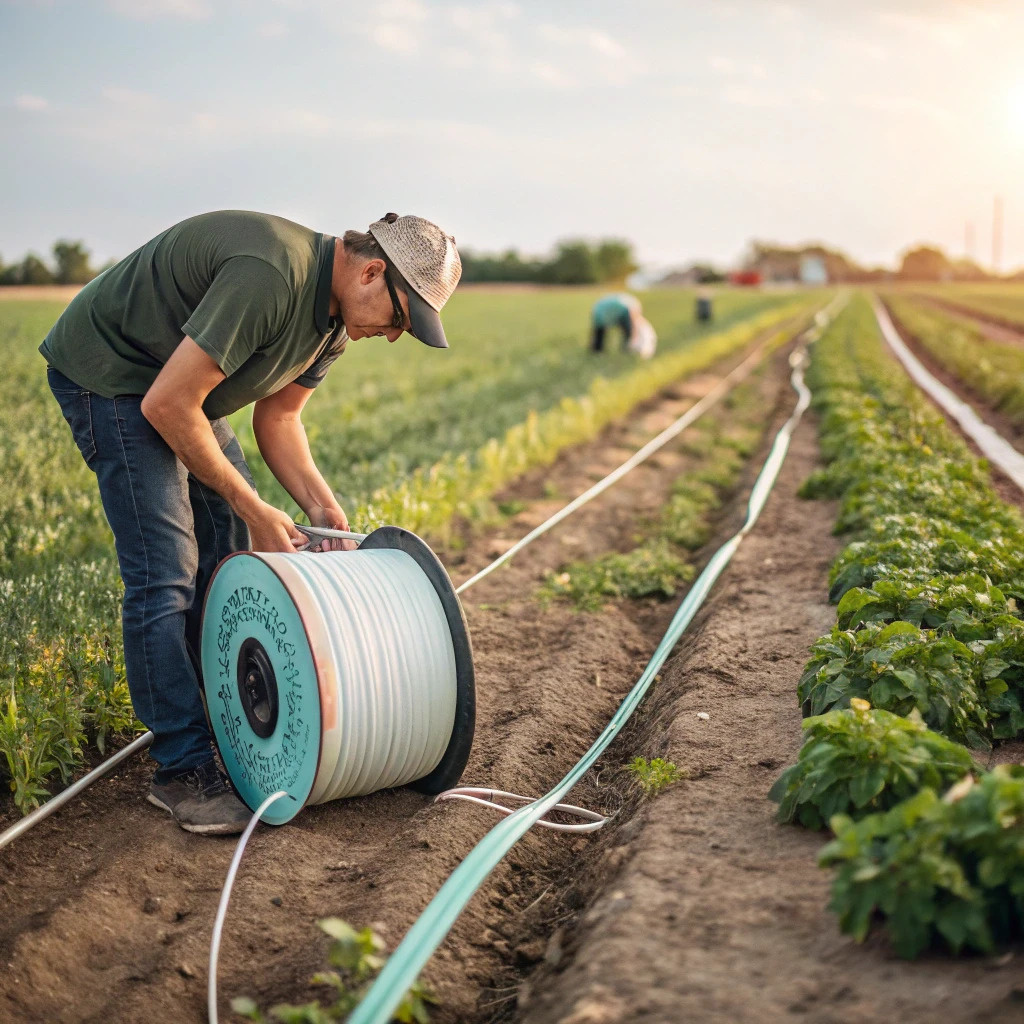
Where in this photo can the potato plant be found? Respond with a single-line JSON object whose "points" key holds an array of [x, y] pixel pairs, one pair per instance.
{"points": [[936, 871], [928, 629], [861, 760]]}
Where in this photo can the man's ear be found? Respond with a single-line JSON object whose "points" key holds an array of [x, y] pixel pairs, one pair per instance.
{"points": [[371, 271]]}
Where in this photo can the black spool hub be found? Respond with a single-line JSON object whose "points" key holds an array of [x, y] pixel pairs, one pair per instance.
{"points": [[257, 687], [449, 769]]}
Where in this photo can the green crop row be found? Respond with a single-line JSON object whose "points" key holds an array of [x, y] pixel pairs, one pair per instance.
{"points": [[412, 441], [927, 654], [1001, 302], [720, 444], [990, 369], [459, 485]]}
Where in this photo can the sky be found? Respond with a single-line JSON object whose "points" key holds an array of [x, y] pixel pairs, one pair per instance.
{"points": [[688, 128]]}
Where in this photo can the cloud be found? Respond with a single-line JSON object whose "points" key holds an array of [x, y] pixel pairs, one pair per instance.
{"points": [[146, 10], [26, 101], [550, 74], [272, 29], [485, 26], [129, 99], [393, 37], [728, 66], [902, 106], [585, 53], [746, 96], [591, 39]]}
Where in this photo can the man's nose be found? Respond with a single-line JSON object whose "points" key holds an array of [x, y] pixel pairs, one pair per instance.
{"points": [[394, 334]]}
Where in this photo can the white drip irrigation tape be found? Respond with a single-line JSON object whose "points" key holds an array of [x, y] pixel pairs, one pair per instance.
{"points": [[715, 395], [15, 830], [430, 929], [222, 907], [995, 448], [489, 798], [351, 679]]}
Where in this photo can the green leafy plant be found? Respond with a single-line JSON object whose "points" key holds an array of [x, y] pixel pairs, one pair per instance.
{"points": [[647, 571], [356, 959], [989, 368], [939, 602], [861, 760], [653, 775], [719, 446], [899, 668], [936, 872]]}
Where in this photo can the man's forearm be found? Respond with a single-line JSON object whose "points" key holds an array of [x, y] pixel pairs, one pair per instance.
{"points": [[285, 449], [190, 436]]}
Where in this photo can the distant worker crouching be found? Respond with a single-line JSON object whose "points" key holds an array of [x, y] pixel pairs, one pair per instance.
{"points": [[623, 310], [703, 308]]}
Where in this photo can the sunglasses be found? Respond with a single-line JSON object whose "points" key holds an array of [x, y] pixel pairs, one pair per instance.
{"points": [[398, 320]]}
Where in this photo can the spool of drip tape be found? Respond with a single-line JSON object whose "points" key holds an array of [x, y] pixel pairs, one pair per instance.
{"points": [[338, 673]]}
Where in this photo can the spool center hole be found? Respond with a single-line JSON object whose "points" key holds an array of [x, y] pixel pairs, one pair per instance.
{"points": [[257, 687]]}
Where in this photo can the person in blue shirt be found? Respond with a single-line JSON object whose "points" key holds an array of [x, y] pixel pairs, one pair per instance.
{"points": [[620, 310]]}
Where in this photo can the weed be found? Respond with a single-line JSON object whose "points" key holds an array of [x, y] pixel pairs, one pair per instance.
{"points": [[647, 571], [356, 959], [654, 775]]}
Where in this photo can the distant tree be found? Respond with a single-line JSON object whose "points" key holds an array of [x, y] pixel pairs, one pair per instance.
{"points": [[35, 271], [965, 269], [31, 270], [925, 263], [72, 259], [707, 273], [574, 263], [614, 257]]}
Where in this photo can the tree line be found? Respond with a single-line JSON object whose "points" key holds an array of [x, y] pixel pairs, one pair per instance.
{"points": [[573, 261], [577, 261], [71, 265]]}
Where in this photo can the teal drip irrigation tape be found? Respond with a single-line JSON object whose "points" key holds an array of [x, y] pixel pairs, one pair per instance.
{"points": [[430, 929]]}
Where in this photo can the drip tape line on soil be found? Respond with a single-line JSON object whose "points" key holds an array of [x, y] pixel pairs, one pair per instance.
{"points": [[994, 447], [430, 929], [712, 398], [20, 827]]}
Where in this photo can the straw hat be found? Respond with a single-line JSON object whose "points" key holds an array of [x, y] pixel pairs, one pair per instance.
{"points": [[428, 260]]}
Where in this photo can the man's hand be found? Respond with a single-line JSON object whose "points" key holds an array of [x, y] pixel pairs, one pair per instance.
{"points": [[330, 517], [270, 529], [277, 425]]}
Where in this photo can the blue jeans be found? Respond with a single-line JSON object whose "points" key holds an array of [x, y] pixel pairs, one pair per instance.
{"points": [[170, 532]]}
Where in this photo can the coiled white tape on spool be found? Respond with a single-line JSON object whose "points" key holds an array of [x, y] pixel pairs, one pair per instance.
{"points": [[339, 673]]}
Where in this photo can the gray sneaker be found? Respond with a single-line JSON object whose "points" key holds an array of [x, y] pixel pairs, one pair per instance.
{"points": [[202, 801]]}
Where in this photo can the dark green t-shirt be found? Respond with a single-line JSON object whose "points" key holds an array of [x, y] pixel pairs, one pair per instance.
{"points": [[253, 292]]}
